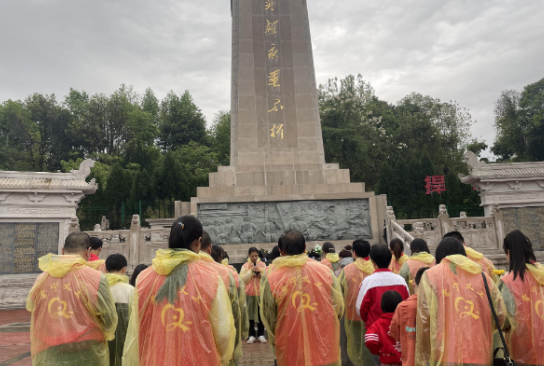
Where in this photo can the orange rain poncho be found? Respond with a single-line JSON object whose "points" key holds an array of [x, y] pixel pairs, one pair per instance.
{"points": [[332, 261], [396, 265], [253, 287], [231, 284], [181, 314], [525, 305], [301, 307], [350, 279], [73, 313], [454, 323], [99, 265], [409, 269], [486, 264]]}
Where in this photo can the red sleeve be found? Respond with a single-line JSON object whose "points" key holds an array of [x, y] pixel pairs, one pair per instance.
{"points": [[365, 305], [394, 330], [404, 293], [372, 339]]}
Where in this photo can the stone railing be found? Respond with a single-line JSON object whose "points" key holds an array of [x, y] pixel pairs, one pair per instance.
{"points": [[138, 244], [481, 233]]}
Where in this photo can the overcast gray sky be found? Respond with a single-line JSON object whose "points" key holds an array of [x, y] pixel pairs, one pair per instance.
{"points": [[467, 51]]}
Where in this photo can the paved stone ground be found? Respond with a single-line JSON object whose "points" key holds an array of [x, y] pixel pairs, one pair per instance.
{"points": [[15, 343]]}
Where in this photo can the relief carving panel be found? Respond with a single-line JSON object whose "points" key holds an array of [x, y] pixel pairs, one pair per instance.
{"points": [[530, 220]]}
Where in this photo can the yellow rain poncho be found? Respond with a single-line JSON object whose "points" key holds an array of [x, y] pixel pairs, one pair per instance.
{"points": [[524, 301], [181, 314], [454, 323], [409, 269], [73, 313], [301, 306], [486, 264], [332, 260], [252, 287], [99, 265], [123, 295], [350, 279], [396, 265], [230, 283]]}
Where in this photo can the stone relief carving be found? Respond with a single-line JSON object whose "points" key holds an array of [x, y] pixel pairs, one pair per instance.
{"points": [[264, 222], [35, 197], [3, 196], [34, 211], [516, 186], [517, 197]]}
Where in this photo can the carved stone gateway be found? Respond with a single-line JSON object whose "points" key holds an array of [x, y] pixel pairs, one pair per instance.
{"points": [[37, 212], [278, 178]]}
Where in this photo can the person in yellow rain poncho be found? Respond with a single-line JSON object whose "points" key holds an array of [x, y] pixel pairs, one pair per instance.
{"points": [[251, 273], [350, 279], [123, 295], [181, 313], [332, 259], [94, 261], [301, 307], [399, 258], [523, 293], [454, 322], [230, 284], [73, 313], [421, 257], [476, 256]]}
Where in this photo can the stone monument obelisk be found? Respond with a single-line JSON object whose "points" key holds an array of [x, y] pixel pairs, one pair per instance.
{"points": [[278, 178]]}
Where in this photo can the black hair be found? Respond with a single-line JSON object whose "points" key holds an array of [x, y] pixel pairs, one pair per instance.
{"points": [[274, 253], [361, 248], [76, 243], [381, 255], [449, 246], [116, 262], [217, 253], [521, 252], [455, 234], [328, 247], [293, 242], [205, 241], [185, 231], [137, 270], [347, 252], [419, 275], [253, 250], [96, 243], [390, 301], [225, 254], [419, 246], [397, 246]]}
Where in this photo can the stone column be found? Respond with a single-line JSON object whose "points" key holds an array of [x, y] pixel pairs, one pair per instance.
{"points": [[134, 242]]}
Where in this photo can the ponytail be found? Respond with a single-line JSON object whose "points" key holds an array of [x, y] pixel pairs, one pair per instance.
{"points": [[520, 249], [397, 247], [185, 231]]}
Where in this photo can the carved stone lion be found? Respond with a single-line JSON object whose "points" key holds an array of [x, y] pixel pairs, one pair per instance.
{"points": [[419, 228]]}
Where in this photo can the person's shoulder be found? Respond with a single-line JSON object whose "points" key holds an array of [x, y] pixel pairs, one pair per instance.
{"points": [[90, 273]]}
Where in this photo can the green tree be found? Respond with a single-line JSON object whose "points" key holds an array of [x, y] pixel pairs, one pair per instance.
{"points": [[220, 137], [118, 186]]}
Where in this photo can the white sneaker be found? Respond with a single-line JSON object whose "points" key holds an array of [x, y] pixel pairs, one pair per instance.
{"points": [[261, 339], [251, 340]]}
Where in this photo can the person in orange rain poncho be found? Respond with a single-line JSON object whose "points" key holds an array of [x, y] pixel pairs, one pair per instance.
{"points": [[301, 307], [421, 257], [123, 295], [523, 293], [399, 258], [230, 284], [181, 313], [73, 313], [350, 279], [477, 257], [454, 321], [251, 274], [332, 259], [94, 261]]}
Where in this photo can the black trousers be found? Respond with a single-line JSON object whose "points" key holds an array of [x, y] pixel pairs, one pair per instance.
{"points": [[260, 328]]}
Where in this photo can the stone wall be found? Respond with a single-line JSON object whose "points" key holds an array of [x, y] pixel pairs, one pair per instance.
{"points": [[530, 220]]}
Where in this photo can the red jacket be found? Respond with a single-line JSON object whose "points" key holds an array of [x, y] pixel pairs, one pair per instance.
{"points": [[369, 301], [379, 342], [93, 257]]}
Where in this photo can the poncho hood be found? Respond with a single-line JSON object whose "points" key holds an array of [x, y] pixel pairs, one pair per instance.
{"points": [[205, 257], [473, 253], [291, 261], [95, 264], [333, 257], [167, 259], [114, 278], [59, 265], [423, 257], [366, 266], [537, 270], [464, 263]]}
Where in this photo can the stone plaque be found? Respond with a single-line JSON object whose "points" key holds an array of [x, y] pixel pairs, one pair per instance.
{"points": [[21, 244], [530, 220], [264, 222]]}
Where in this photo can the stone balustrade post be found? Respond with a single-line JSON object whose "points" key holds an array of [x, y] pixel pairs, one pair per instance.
{"points": [[498, 220], [444, 218], [134, 245]]}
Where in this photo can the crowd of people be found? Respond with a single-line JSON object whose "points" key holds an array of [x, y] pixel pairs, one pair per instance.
{"points": [[367, 305]]}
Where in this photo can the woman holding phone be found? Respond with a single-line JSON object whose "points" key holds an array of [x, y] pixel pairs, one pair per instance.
{"points": [[251, 274]]}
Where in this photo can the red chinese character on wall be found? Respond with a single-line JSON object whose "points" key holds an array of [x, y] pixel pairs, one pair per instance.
{"points": [[435, 184]]}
